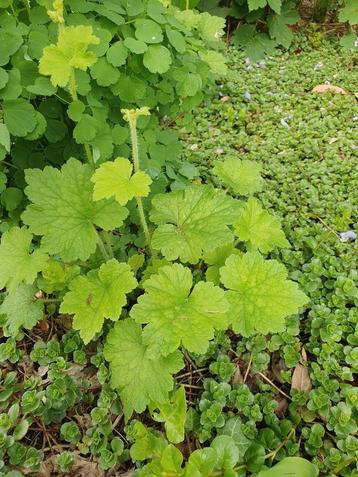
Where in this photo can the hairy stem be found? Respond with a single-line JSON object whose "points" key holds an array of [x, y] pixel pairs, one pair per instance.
{"points": [[135, 155]]}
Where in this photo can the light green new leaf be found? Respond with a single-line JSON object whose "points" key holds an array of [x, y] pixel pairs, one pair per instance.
{"points": [[22, 310], [56, 276], [157, 59], [192, 221], [292, 466], [139, 377], [147, 443], [179, 314], [17, 263], [258, 227], [115, 179], [261, 296], [99, 295], [169, 462], [173, 414], [243, 177], [71, 51], [63, 211], [210, 27]]}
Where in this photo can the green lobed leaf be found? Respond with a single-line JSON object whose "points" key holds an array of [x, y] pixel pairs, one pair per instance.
{"points": [[255, 44], [179, 313], [18, 264], [255, 4], [169, 462], [201, 463], [261, 297], [277, 24], [275, 5], [135, 46], [70, 51], [146, 442], [157, 59], [75, 110], [63, 211], [5, 136], [4, 78], [117, 54], [242, 176], [115, 179], [22, 310], [104, 73], [215, 60], [99, 295], [19, 116], [257, 226], [226, 451], [349, 12], [148, 31], [192, 221], [139, 377]]}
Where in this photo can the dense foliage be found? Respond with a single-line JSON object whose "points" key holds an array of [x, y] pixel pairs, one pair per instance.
{"points": [[306, 143], [123, 280]]}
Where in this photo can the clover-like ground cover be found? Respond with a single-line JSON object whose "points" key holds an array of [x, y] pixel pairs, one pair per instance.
{"points": [[307, 144]]}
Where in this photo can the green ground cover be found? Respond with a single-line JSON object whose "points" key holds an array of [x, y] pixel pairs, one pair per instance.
{"points": [[82, 396], [307, 145]]}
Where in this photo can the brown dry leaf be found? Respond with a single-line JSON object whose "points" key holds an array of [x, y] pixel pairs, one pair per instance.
{"points": [[85, 468], [303, 356], [224, 99], [81, 468], [237, 378], [301, 379], [282, 407], [43, 325], [330, 88]]}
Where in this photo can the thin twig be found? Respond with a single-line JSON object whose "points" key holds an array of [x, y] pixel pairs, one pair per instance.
{"points": [[248, 368], [274, 386]]}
